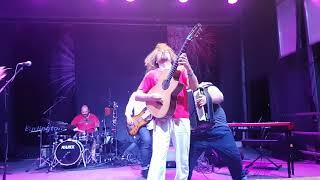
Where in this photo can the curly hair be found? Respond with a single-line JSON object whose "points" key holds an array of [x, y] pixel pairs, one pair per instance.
{"points": [[150, 60]]}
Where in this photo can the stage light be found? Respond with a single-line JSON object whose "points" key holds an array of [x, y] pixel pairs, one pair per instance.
{"points": [[183, 1], [316, 2], [232, 1], [129, 0]]}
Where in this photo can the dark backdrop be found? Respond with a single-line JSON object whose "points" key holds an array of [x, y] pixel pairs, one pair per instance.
{"points": [[96, 64], [110, 64], [102, 60]]}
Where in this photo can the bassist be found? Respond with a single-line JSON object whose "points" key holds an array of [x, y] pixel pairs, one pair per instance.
{"points": [[144, 137]]}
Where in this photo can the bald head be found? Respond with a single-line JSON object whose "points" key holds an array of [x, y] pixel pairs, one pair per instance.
{"points": [[85, 110]]}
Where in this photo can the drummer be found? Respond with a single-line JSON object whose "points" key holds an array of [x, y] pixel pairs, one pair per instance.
{"points": [[87, 123]]}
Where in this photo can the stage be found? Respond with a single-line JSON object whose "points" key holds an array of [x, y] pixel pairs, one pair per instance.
{"points": [[68, 70], [261, 170]]}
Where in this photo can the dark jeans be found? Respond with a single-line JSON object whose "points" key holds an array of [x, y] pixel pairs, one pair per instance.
{"points": [[144, 142], [221, 140]]}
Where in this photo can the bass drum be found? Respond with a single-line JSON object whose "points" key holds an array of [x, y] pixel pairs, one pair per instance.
{"points": [[68, 152]]}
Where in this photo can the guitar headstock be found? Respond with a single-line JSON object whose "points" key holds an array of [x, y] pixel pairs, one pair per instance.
{"points": [[196, 30]]}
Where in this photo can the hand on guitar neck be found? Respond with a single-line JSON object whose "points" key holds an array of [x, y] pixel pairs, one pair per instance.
{"points": [[183, 61], [130, 121]]}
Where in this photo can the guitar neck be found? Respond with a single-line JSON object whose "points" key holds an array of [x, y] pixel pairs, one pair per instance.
{"points": [[194, 33], [176, 62]]}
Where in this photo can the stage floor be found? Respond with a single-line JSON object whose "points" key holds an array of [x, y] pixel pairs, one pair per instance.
{"points": [[261, 170]]}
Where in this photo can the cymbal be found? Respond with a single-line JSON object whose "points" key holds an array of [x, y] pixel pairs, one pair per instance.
{"points": [[70, 126], [61, 123], [45, 120], [59, 132]]}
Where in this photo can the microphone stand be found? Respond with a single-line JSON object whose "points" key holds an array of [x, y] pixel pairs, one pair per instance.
{"points": [[4, 88]]}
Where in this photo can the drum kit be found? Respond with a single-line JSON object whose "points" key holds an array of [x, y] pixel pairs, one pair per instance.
{"points": [[70, 148]]}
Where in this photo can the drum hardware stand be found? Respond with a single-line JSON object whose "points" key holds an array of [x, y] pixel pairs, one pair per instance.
{"points": [[84, 160], [53, 163], [87, 158], [114, 124], [113, 155], [87, 154], [40, 159], [99, 146]]}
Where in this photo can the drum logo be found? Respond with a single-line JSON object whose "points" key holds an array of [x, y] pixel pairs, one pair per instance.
{"points": [[67, 147]]}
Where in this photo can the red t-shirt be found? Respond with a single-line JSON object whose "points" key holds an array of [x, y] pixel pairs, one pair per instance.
{"points": [[88, 124], [151, 79]]}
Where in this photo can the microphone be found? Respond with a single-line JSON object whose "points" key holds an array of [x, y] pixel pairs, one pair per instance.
{"points": [[26, 63]]}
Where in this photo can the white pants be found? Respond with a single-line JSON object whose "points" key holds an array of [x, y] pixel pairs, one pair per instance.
{"points": [[179, 130]]}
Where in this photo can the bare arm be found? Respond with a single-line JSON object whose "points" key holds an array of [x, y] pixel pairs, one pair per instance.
{"points": [[130, 106], [192, 78], [141, 96], [215, 94]]}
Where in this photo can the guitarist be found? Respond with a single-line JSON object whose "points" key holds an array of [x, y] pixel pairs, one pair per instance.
{"points": [[177, 126], [144, 141]]}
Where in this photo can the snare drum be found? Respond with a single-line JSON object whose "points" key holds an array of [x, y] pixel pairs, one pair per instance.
{"points": [[68, 152], [84, 137], [62, 137]]}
